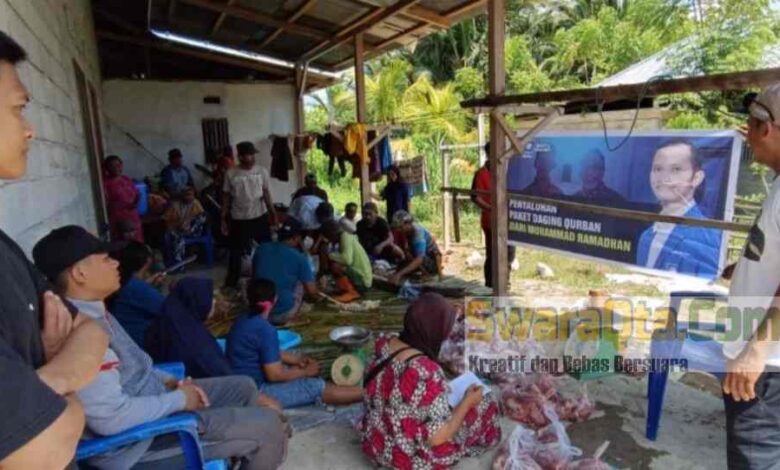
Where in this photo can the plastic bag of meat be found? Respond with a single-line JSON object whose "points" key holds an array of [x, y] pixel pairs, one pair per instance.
{"points": [[524, 397], [592, 463], [516, 452], [555, 450], [575, 410], [453, 350]]}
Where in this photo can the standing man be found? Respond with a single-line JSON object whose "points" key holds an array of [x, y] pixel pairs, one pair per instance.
{"points": [[752, 384], [246, 198], [176, 177], [48, 351], [481, 182]]}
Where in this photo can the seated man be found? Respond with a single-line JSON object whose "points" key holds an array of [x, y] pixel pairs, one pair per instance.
{"points": [[310, 188], [374, 234], [138, 302], [350, 211], [253, 350], [128, 391], [184, 218], [350, 265], [421, 252], [284, 262], [176, 177]]}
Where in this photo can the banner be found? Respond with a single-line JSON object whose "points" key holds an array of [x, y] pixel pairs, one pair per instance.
{"points": [[689, 174]]}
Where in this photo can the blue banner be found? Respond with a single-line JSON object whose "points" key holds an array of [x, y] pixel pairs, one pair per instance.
{"points": [[689, 174]]}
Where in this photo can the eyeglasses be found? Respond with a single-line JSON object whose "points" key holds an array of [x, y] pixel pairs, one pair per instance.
{"points": [[752, 98]]}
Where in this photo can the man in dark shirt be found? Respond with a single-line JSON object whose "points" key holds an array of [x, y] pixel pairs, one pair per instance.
{"points": [[176, 177], [311, 189], [47, 349], [375, 236]]}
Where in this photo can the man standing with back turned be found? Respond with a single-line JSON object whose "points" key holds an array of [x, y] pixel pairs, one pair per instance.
{"points": [[752, 385], [48, 351]]}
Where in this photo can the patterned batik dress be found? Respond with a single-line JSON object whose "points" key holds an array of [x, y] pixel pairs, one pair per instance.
{"points": [[407, 403]]}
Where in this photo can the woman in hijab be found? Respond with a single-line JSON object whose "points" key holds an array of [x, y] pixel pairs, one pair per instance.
{"points": [[408, 422], [396, 193], [179, 334]]}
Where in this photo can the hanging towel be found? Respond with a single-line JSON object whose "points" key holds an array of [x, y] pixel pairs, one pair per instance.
{"points": [[385, 154], [355, 141], [281, 159]]}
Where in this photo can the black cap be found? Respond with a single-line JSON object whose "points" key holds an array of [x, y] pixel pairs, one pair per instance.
{"points": [[66, 246], [174, 153], [246, 148], [290, 228]]}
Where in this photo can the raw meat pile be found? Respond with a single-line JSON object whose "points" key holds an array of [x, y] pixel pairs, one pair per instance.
{"points": [[524, 397], [547, 449], [453, 351]]}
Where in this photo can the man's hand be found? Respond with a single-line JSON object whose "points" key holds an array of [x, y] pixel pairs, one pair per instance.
{"points": [[743, 373], [196, 397], [157, 279], [312, 369], [57, 324], [268, 402], [378, 250]]}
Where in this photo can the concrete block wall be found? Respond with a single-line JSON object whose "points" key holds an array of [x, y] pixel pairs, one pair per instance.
{"points": [[167, 114], [56, 189]]}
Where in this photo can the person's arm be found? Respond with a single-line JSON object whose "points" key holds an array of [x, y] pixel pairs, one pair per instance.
{"points": [[55, 446], [277, 372], [311, 289], [167, 180], [291, 359], [744, 371], [190, 181], [413, 266], [73, 354], [479, 199], [109, 410], [451, 427]]}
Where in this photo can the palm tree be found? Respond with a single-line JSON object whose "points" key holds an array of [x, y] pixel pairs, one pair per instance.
{"points": [[384, 91]]}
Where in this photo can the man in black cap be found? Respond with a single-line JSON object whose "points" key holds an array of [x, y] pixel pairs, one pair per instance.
{"points": [[47, 350], [176, 177], [246, 197], [310, 188], [128, 391]]}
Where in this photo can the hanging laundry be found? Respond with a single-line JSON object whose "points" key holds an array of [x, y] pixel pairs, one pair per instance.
{"points": [[374, 165], [413, 172], [334, 149], [303, 143], [281, 159], [355, 141], [385, 154]]}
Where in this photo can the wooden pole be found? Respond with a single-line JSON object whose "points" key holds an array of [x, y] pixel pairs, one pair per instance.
{"points": [[360, 98], [481, 131], [300, 117], [446, 203], [498, 167]]}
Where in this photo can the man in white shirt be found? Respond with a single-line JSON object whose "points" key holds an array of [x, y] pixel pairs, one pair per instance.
{"points": [[246, 198], [752, 384]]}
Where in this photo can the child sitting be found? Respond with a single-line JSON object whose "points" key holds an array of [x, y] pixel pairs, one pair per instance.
{"points": [[253, 350]]}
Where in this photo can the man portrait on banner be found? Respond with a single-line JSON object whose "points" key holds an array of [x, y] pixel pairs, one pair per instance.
{"points": [[594, 190], [676, 177], [544, 164]]}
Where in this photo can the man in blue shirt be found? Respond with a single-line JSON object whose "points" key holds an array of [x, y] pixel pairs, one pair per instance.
{"points": [[422, 253], [285, 263], [176, 177]]}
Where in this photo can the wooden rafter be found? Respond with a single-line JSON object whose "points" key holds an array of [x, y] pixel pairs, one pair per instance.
{"points": [[723, 81], [420, 13], [255, 16], [221, 19], [292, 19], [463, 10], [386, 44], [362, 24], [210, 56]]}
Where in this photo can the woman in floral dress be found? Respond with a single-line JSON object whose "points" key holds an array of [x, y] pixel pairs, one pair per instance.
{"points": [[409, 423]]}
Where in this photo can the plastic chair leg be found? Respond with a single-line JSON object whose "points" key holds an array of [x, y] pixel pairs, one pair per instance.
{"points": [[656, 388]]}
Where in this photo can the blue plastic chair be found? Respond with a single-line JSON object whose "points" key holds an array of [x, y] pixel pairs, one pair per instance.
{"points": [[207, 241], [702, 353], [185, 425]]}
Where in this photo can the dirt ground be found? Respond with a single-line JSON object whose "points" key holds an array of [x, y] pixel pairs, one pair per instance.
{"points": [[692, 433]]}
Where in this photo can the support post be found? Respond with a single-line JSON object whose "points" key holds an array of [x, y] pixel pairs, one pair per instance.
{"points": [[300, 117], [481, 131], [360, 98], [498, 167], [456, 216], [446, 203]]}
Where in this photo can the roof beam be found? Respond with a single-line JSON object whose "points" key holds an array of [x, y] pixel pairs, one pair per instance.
{"points": [[255, 16], [222, 17], [292, 19], [204, 55], [381, 47], [429, 16], [722, 81], [362, 24], [455, 13]]}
